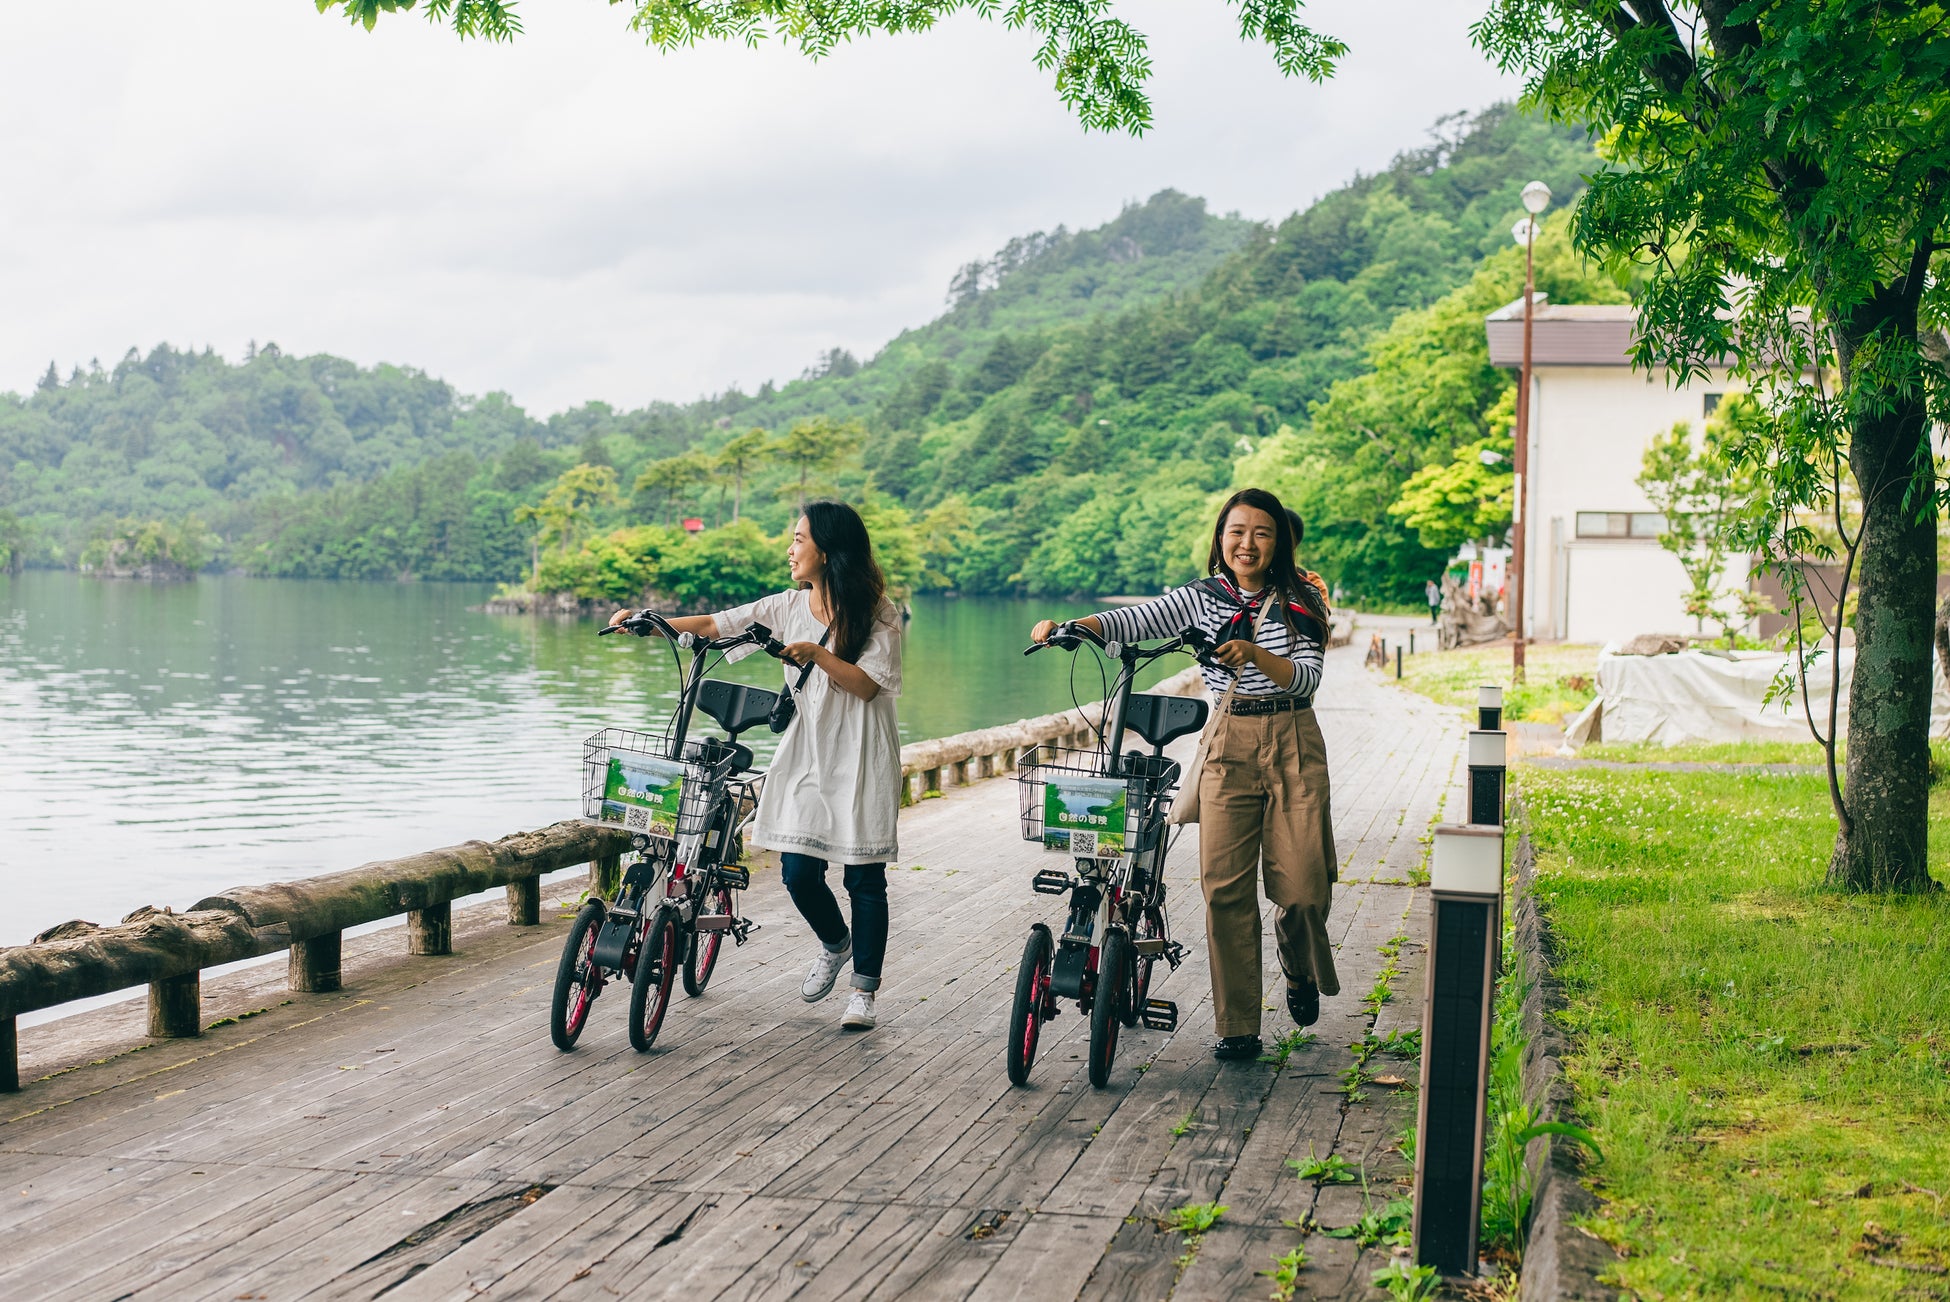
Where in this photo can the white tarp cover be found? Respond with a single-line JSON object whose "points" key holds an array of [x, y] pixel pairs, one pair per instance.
{"points": [[1694, 696]]}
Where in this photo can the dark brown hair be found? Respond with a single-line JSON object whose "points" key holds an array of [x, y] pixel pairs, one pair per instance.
{"points": [[852, 578], [1282, 575]]}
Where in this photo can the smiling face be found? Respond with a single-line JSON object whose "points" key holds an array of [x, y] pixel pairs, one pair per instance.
{"points": [[1246, 545], [803, 556]]}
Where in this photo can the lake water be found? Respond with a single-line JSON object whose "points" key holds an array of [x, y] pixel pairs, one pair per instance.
{"points": [[159, 742]]}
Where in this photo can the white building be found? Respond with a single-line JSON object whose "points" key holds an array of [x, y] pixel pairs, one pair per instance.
{"points": [[1594, 571]]}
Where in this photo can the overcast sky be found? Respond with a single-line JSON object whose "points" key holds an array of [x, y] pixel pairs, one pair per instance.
{"points": [[576, 216]]}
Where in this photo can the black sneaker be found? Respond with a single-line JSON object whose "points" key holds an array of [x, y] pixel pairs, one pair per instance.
{"points": [[1303, 1002], [1234, 1047]]}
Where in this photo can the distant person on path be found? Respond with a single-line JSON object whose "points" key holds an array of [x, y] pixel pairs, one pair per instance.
{"points": [[1263, 792], [832, 792], [1434, 596]]}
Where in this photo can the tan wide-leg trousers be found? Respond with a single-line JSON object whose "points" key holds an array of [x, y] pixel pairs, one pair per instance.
{"points": [[1263, 801]]}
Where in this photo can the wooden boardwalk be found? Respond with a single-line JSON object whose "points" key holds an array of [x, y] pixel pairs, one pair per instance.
{"points": [[417, 1136]]}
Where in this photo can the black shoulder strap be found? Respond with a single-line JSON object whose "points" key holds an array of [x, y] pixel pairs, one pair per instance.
{"points": [[805, 670]]}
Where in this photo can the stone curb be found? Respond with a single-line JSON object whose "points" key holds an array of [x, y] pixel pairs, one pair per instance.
{"points": [[1561, 1261]]}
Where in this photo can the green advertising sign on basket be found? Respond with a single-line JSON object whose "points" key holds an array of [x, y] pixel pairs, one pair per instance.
{"points": [[1084, 817], [642, 793]]}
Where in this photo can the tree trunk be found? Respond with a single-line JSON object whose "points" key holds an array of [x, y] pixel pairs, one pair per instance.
{"points": [[1885, 845]]}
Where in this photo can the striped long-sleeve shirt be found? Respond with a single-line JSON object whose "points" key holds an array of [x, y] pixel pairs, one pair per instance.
{"points": [[1197, 606]]}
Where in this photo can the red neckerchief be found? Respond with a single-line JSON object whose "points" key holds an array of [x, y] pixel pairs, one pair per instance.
{"points": [[1245, 610]]}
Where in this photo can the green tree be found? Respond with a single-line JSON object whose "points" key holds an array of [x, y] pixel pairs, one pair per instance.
{"points": [[566, 510], [16, 536], [738, 457], [816, 446], [1468, 497], [674, 478], [1701, 490], [1099, 61], [1782, 177]]}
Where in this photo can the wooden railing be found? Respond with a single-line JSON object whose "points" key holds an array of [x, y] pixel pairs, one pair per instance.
{"points": [[168, 951]]}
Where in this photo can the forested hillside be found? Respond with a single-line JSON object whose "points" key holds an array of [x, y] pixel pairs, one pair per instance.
{"points": [[1063, 427]]}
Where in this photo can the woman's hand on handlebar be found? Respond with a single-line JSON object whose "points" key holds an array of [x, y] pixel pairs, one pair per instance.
{"points": [[1040, 633], [1236, 654], [800, 653]]}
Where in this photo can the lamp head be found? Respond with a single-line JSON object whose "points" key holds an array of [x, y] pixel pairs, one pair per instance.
{"points": [[1524, 231], [1536, 197]]}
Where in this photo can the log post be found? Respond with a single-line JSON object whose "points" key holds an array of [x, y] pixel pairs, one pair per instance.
{"points": [[314, 965], [525, 902], [985, 766], [958, 772], [9, 1056], [430, 930], [931, 782], [605, 875], [176, 1006]]}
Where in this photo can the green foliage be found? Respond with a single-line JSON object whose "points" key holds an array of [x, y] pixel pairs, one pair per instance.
{"points": [[1194, 1218], [1389, 1224], [1405, 1283], [1286, 1273], [1702, 491], [1332, 1169], [148, 549]]}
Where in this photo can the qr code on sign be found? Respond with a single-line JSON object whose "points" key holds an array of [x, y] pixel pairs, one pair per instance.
{"points": [[1083, 845], [636, 818]]}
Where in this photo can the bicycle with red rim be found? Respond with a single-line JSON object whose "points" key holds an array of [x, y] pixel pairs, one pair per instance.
{"points": [[1104, 809], [685, 802]]}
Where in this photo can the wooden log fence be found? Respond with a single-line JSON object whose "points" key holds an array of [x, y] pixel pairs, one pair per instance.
{"points": [[168, 951]]}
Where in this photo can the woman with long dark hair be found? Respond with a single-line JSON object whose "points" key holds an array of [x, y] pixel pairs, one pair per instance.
{"points": [[832, 792], [1263, 798]]}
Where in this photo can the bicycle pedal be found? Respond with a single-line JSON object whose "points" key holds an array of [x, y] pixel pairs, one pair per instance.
{"points": [[1051, 881], [737, 879], [1159, 1015], [742, 929], [1174, 954], [715, 922]]}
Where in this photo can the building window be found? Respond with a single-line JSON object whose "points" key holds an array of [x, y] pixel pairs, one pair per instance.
{"points": [[1712, 404], [1620, 524]]}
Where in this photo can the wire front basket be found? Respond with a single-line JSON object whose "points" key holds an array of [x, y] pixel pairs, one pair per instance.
{"points": [[630, 781], [1068, 804]]}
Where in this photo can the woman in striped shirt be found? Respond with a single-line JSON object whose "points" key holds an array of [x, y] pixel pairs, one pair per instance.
{"points": [[1264, 791]]}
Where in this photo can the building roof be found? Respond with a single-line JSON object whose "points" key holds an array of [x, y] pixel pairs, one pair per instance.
{"points": [[1563, 334]]}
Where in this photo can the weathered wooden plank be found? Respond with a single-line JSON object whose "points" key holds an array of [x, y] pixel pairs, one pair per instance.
{"points": [[1050, 1259]]}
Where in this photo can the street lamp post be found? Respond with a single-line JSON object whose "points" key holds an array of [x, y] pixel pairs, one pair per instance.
{"points": [[1536, 198]]}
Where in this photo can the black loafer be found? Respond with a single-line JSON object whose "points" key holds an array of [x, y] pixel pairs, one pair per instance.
{"points": [[1303, 1002], [1234, 1047]]}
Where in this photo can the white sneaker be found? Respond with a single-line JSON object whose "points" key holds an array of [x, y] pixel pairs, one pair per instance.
{"points": [[825, 970], [859, 1012]]}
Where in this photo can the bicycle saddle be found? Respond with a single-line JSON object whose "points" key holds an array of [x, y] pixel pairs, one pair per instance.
{"points": [[1162, 720], [735, 706]]}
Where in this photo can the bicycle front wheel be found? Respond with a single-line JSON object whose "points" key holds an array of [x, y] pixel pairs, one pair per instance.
{"points": [[1032, 992], [702, 959], [656, 972], [576, 979], [1107, 1009]]}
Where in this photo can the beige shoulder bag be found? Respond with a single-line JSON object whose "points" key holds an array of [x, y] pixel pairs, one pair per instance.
{"points": [[1184, 806]]}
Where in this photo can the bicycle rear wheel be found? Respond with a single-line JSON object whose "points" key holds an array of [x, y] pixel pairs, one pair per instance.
{"points": [[1032, 993], [577, 980], [656, 972], [1107, 1008], [702, 959]]}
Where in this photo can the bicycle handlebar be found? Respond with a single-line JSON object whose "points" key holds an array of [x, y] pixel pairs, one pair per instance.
{"points": [[1072, 635], [646, 622]]}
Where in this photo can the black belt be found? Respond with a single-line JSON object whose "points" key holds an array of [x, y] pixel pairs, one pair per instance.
{"points": [[1269, 704]]}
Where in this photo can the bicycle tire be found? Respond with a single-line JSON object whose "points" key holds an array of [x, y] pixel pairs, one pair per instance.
{"points": [[1151, 926], [656, 970], [1032, 991], [1107, 1008], [569, 1007], [701, 959]]}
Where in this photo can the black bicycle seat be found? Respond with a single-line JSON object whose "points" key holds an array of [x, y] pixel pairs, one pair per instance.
{"points": [[1162, 720], [735, 706]]}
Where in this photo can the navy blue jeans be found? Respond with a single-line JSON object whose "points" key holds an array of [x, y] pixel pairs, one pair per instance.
{"points": [[866, 888]]}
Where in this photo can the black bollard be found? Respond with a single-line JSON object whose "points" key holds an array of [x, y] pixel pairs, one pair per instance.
{"points": [[1466, 919], [1398, 659], [1489, 707], [1487, 766]]}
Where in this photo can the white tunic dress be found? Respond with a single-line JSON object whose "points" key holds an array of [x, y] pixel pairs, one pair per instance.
{"points": [[833, 789]]}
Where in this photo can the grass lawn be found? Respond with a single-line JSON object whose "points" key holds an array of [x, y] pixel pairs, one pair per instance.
{"points": [[1765, 1063], [1559, 680], [1707, 752]]}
